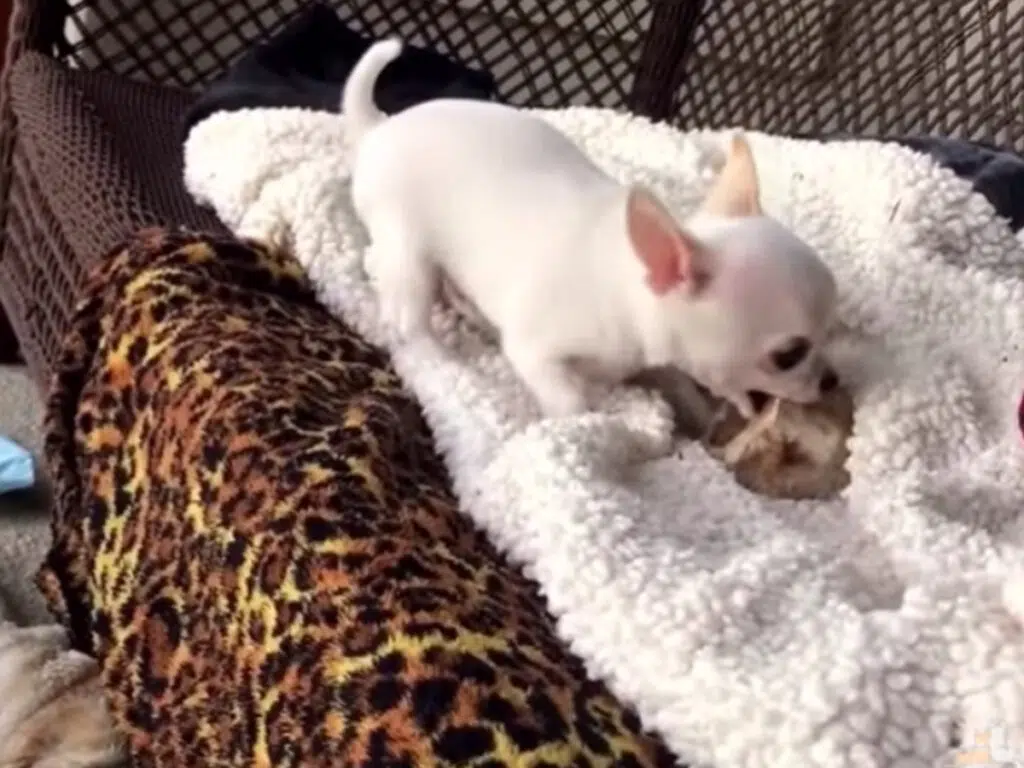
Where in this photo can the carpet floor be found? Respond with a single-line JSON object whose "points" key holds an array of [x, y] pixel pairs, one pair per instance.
{"points": [[24, 519]]}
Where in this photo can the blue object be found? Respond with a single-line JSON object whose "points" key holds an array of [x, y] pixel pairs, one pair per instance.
{"points": [[17, 470]]}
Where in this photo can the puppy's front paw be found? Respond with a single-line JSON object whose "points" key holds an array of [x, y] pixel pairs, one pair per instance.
{"points": [[561, 402], [556, 389]]}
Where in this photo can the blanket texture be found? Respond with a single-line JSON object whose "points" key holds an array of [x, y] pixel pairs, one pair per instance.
{"points": [[257, 538], [748, 632], [996, 173]]}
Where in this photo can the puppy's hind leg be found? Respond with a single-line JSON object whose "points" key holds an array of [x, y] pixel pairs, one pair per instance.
{"points": [[407, 279]]}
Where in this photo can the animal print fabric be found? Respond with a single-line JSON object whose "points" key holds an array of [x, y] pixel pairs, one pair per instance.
{"points": [[256, 537]]}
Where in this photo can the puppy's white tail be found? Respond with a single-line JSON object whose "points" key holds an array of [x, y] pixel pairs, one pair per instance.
{"points": [[357, 102]]}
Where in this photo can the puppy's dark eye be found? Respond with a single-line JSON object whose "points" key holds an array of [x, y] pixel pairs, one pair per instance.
{"points": [[792, 354]]}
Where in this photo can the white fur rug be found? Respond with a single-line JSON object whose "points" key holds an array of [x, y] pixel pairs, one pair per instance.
{"points": [[748, 632]]}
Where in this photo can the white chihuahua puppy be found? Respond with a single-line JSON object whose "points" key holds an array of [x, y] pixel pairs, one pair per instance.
{"points": [[582, 276]]}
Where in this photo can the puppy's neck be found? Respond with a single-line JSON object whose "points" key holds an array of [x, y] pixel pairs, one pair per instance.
{"points": [[651, 318]]}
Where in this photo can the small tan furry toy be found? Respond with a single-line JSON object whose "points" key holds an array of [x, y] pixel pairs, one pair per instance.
{"points": [[786, 451], [52, 712]]}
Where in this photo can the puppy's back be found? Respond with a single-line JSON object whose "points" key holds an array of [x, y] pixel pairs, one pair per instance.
{"points": [[497, 194], [448, 146]]}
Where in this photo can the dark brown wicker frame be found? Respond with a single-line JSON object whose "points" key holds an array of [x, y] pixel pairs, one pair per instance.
{"points": [[641, 73]]}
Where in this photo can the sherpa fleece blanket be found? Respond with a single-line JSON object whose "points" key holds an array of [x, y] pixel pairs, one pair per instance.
{"points": [[866, 631]]}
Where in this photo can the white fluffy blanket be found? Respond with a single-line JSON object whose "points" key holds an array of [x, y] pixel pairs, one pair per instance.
{"points": [[747, 632]]}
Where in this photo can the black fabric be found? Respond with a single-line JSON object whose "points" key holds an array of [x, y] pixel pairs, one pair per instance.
{"points": [[995, 173], [307, 62]]}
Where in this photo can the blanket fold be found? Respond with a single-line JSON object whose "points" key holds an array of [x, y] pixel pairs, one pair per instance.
{"points": [[258, 540], [867, 630]]}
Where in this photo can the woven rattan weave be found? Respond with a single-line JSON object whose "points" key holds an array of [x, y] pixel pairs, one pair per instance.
{"points": [[864, 67]]}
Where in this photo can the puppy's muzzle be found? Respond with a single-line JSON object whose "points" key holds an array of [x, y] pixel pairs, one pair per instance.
{"points": [[758, 399], [828, 382]]}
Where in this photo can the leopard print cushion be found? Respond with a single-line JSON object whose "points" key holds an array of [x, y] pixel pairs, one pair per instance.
{"points": [[256, 537]]}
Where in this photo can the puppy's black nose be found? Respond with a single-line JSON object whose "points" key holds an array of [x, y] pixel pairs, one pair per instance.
{"points": [[829, 380]]}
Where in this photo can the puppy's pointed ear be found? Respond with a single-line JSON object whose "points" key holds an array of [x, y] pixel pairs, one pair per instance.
{"points": [[736, 191], [672, 257]]}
